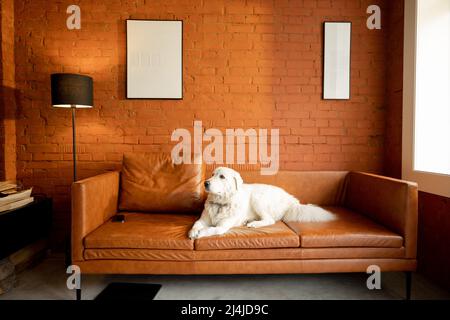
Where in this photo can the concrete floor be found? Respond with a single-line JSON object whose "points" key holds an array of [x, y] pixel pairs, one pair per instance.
{"points": [[47, 280]]}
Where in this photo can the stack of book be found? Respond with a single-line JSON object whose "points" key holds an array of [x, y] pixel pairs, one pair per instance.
{"points": [[13, 197]]}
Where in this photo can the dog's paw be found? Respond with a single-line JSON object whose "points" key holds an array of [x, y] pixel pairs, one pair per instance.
{"points": [[259, 223], [194, 234], [252, 224], [203, 233]]}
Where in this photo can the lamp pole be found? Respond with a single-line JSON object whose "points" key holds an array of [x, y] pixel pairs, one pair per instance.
{"points": [[74, 151], [72, 91], [74, 155]]}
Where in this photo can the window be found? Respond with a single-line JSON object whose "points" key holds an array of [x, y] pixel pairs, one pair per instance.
{"points": [[432, 112], [426, 100]]}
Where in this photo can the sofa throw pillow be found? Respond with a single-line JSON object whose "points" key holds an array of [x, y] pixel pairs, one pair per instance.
{"points": [[152, 183]]}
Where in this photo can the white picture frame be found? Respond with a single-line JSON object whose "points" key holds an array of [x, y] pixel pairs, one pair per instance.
{"points": [[154, 59], [337, 60]]}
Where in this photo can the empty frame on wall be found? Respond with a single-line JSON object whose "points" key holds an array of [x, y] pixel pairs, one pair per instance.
{"points": [[336, 64], [154, 59]]}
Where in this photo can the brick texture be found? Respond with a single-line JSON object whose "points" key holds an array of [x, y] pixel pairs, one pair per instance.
{"points": [[7, 93], [247, 64]]}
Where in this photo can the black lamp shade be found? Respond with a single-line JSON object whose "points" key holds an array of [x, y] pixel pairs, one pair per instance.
{"points": [[72, 90]]}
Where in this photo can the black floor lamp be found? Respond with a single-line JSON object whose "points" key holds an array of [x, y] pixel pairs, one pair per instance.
{"points": [[72, 91]]}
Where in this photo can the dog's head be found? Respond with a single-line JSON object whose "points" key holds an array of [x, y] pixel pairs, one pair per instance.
{"points": [[224, 182]]}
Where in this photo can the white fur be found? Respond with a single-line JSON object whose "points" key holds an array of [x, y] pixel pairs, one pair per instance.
{"points": [[231, 203]]}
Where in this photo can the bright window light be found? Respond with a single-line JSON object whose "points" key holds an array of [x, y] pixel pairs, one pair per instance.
{"points": [[432, 107]]}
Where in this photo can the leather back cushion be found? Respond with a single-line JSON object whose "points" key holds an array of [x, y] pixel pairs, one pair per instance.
{"points": [[321, 188], [152, 183]]}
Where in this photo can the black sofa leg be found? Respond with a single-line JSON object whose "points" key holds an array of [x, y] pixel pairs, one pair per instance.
{"points": [[78, 294], [408, 275]]}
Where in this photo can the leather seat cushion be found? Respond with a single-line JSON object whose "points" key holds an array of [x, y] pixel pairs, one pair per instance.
{"points": [[274, 236], [144, 231], [350, 229], [153, 183]]}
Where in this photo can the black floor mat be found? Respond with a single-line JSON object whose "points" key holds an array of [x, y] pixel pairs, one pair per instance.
{"points": [[128, 291]]}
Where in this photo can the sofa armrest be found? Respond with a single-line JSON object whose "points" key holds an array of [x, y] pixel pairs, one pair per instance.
{"points": [[388, 201], [94, 201]]}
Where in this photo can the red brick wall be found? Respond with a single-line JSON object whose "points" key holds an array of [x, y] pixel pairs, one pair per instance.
{"points": [[7, 92], [2, 104], [246, 64]]}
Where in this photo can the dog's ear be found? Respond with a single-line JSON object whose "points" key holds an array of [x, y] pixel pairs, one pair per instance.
{"points": [[238, 181]]}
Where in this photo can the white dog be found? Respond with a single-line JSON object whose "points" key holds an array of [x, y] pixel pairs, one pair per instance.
{"points": [[231, 203]]}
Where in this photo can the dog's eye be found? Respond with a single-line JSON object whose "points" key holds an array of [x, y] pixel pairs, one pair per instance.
{"points": [[222, 176]]}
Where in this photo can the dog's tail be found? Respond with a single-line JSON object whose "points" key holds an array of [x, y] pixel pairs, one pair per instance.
{"points": [[307, 213]]}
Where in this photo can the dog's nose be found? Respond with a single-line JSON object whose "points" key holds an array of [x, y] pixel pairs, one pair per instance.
{"points": [[206, 184]]}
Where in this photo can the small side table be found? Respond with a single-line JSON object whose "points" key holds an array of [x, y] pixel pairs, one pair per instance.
{"points": [[18, 229]]}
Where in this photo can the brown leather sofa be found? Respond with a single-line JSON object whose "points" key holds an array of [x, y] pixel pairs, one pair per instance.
{"points": [[376, 225]]}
